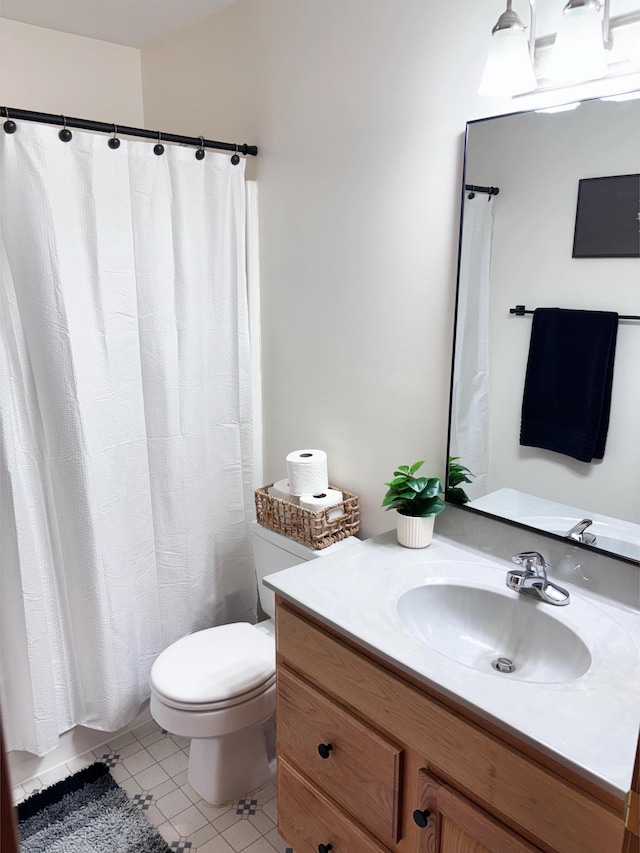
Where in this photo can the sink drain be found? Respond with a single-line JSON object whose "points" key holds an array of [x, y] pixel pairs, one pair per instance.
{"points": [[503, 665]]}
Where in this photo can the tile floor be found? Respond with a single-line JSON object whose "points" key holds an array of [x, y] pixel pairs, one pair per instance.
{"points": [[151, 766]]}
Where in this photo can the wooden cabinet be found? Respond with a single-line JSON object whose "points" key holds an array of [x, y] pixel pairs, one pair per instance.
{"points": [[394, 749]]}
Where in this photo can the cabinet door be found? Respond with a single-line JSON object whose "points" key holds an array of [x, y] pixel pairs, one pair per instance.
{"points": [[453, 824]]}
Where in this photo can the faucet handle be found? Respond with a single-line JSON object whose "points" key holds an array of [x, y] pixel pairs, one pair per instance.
{"points": [[532, 561]]}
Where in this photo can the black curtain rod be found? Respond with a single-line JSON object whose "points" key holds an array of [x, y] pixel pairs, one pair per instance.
{"points": [[105, 127], [520, 311], [487, 190]]}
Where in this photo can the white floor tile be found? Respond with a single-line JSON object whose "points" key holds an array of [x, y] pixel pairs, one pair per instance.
{"points": [[146, 729], [163, 788], [173, 803], [154, 737], [18, 794], [79, 763], [175, 763], [138, 761], [211, 812], [119, 773], [167, 832], [280, 845], [121, 742], [216, 845], [225, 820], [32, 785], [260, 846], [151, 777], [201, 835], [50, 777], [261, 822], [270, 808], [188, 821], [130, 786], [241, 835], [162, 748]]}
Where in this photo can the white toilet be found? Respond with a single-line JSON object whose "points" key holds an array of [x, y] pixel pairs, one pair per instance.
{"points": [[217, 686]]}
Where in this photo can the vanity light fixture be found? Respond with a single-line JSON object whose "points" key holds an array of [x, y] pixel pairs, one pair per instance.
{"points": [[579, 51], [509, 67]]}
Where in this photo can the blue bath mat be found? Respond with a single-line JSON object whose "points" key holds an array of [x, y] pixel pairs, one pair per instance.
{"points": [[86, 813]]}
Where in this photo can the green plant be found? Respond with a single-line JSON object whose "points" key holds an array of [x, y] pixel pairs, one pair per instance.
{"points": [[414, 496], [457, 474]]}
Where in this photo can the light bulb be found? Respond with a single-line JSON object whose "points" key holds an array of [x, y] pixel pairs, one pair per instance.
{"points": [[578, 52], [508, 70]]}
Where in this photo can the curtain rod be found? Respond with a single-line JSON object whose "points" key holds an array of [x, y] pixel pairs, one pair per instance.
{"points": [[520, 311], [487, 190], [105, 127]]}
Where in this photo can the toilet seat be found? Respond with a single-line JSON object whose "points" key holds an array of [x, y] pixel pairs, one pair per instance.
{"points": [[215, 706], [215, 668]]}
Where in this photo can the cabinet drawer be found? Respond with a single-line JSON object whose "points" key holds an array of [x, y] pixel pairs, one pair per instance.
{"points": [[361, 770], [307, 819]]}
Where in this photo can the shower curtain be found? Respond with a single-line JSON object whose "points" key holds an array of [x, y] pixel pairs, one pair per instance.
{"points": [[125, 423], [470, 398]]}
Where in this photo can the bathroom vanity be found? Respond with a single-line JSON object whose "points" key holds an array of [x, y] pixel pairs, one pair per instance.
{"points": [[394, 739]]}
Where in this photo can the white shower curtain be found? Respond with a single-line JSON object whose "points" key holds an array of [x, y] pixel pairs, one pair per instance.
{"points": [[470, 399], [125, 421]]}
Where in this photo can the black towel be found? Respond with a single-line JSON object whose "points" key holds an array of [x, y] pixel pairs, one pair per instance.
{"points": [[567, 389]]}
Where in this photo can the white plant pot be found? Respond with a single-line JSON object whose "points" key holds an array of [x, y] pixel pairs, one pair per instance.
{"points": [[414, 532]]}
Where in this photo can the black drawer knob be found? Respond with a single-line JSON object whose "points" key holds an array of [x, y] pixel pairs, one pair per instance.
{"points": [[421, 817], [324, 848], [324, 749]]}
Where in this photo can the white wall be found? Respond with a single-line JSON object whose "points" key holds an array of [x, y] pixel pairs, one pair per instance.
{"points": [[53, 72], [537, 169], [360, 140], [359, 109]]}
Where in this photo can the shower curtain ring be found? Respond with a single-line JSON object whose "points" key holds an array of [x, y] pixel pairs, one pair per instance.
{"points": [[200, 152], [235, 159], [65, 134], [158, 148], [114, 142], [9, 126]]}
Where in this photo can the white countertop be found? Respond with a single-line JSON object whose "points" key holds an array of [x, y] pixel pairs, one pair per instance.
{"points": [[589, 724]]}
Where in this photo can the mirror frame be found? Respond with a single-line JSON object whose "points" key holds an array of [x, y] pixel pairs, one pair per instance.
{"points": [[593, 549]]}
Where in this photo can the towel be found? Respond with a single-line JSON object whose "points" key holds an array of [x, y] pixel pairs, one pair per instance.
{"points": [[567, 389]]}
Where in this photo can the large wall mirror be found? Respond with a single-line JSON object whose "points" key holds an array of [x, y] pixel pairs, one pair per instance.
{"points": [[516, 249]]}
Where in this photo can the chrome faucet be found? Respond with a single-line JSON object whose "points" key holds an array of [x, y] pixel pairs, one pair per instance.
{"points": [[577, 532], [533, 580]]}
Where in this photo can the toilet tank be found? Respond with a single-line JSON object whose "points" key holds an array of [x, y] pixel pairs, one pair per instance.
{"points": [[274, 552]]}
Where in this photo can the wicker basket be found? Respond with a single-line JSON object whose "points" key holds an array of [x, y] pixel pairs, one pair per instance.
{"points": [[310, 527]]}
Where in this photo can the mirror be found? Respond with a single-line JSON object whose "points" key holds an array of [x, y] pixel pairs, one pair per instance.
{"points": [[522, 175]]}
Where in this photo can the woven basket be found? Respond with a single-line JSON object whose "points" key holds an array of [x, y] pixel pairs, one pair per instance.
{"points": [[309, 527]]}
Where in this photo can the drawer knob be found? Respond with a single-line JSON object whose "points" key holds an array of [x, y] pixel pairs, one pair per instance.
{"points": [[324, 848], [324, 749], [421, 817]]}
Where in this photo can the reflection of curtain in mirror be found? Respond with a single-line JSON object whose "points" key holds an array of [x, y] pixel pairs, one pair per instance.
{"points": [[470, 401]]}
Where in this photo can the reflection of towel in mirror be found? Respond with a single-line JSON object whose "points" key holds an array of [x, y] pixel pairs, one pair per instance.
{"points": [[567, 390]]}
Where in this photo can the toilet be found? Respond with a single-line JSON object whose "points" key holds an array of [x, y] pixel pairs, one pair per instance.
{"points": [[217, 686]]}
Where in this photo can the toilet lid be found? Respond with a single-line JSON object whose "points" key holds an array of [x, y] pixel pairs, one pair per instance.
{"points": [[215, 665]]}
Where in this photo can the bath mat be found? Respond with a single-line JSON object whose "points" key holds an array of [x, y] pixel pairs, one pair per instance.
{"points": [[86, 813]]}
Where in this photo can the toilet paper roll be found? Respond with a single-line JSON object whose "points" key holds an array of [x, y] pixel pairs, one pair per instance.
{"points": [[307, 472], [323, 500], [280, 489]]}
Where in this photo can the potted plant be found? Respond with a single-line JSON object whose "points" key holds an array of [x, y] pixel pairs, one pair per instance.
{"points": [[417, 501]]}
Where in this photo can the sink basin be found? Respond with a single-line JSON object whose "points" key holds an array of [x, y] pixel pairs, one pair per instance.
{"points": [[476, 626]]}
